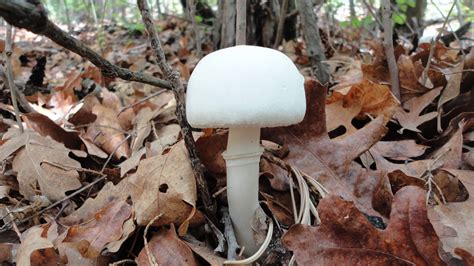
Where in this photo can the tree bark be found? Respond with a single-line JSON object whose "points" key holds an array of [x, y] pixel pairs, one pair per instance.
{"points": [[313, 41], [228, 24], [241, 21], [197, 36], [281, 23]]}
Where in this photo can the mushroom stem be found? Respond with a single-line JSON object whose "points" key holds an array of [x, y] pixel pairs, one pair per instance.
{"points": [[242, 162]]}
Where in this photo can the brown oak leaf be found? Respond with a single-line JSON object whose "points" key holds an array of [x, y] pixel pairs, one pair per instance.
{"points": [[331, 161], [41, 162], [453, 222], [346, 237], [167, 249]]}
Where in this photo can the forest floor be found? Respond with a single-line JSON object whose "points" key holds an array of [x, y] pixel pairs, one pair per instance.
{"points": [[100, 173]]}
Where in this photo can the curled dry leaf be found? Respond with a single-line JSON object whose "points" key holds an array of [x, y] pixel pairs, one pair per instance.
{"points": [[163, 184], [43, 162], [106, 227], [362, 99], [167, 249], [345, 236], [46, 127], [453, 222], [107, 133], [375, 99], [210, 148], [409, 84]]}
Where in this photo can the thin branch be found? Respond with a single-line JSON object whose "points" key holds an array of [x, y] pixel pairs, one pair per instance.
{"points": [[241, 22], [424, 75], [369, 8], [197, 36], [389, 51], [24, 14], [453, 32], [103, 177], [281, 23], [141, 101], [179, 93], [8, 75]]}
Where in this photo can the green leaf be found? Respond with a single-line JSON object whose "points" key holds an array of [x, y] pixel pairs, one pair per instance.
{"points": [[403, 8], [344, 24], [411, 3], [198, 19], [401, 2], [368, 20], [399, 18], [356, 23]]}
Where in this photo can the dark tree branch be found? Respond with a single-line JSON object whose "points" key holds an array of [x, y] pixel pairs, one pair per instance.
{"points": [[7, 75], [177, 86], [281, 23], [31, 15], [313, 40], [388, 45]]}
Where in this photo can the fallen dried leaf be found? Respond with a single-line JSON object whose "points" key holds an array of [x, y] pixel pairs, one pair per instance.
{"points": [[167, 249], [106, 227], [345, 236], [35, 249], [163, 184], [36, 163], [412, 119], [330, 161], [453, 222]]}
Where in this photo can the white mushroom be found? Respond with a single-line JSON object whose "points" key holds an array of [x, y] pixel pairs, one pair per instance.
{"points": [[244, 88]]}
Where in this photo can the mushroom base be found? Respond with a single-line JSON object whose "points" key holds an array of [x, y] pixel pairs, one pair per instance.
{"points": [[242, 162]]}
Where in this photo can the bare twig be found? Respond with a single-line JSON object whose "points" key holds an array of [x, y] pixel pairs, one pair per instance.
{"points": [[389, 52], [8, 75], [33, 17], [424, 75], [151, 256], [197, 36], [232, 245], [14, 226], [178, 89], [281, 23], [141, 101], [103, 177], [453, 32], [371, 11], [313, 40], [113, 152], [121, 262], [241, 22]]}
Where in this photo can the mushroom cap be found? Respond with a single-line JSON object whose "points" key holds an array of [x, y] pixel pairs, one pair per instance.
{"points": [[245, 86]]}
